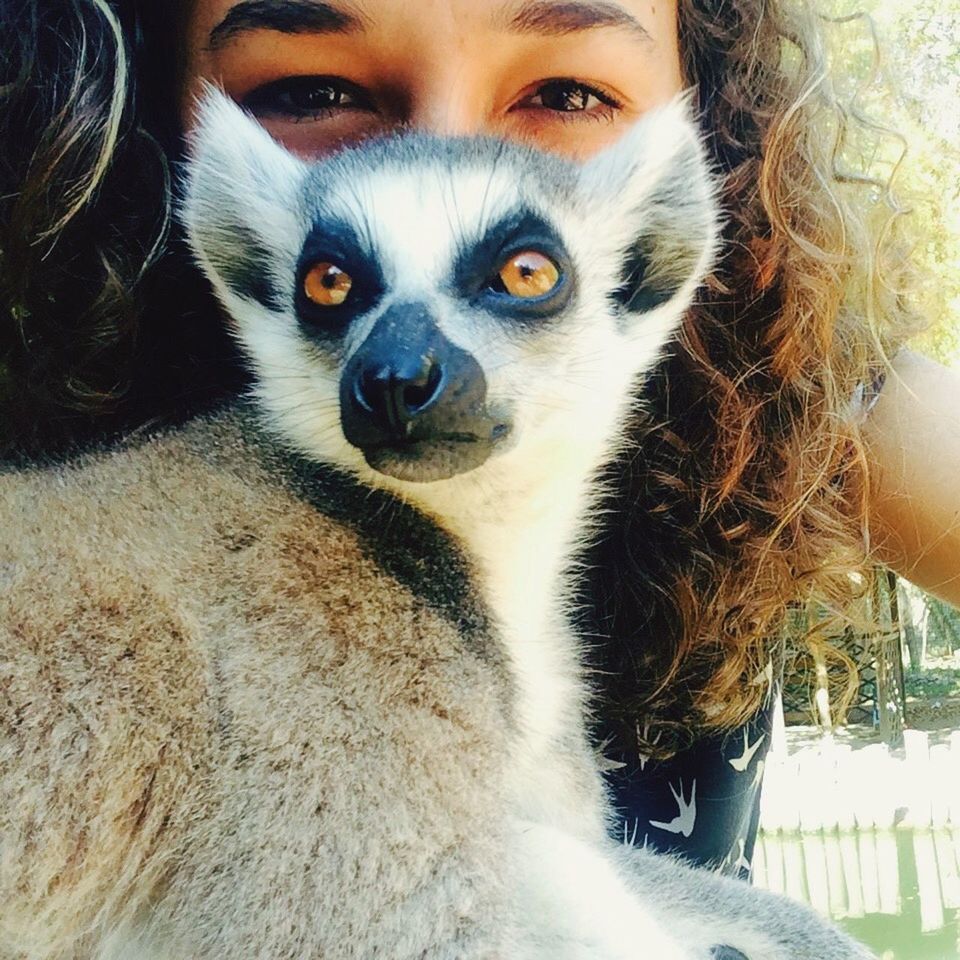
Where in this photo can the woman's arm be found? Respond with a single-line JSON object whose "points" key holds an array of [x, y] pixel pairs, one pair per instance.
{"points": [[913, 437]]}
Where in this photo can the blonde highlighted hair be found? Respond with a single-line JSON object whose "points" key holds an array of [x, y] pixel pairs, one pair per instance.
{"points": [[749, 490]]}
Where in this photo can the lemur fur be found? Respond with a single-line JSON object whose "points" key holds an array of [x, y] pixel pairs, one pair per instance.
{"points": [[295, 680]]}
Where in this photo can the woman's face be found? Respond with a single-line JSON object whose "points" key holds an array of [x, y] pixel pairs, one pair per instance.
{"points": [[568, 75]]}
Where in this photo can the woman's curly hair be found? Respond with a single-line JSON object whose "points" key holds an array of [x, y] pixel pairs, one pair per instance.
{"points": [[104, 323], [748, 491]]}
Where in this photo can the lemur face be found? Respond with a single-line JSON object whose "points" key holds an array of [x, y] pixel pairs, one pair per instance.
{"points": [[419, 310]]}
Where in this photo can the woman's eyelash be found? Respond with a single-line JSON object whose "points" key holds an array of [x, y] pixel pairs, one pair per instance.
{"points": [[566, 95], [306, 96]]}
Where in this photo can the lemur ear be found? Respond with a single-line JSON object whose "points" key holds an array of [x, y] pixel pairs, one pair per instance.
{"points": [[240, 204], [663, 216]]}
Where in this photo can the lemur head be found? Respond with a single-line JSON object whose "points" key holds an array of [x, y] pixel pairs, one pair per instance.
{"points": [[432, 312]]}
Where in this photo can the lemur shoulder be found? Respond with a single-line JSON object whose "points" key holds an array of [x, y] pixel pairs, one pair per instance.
{"points": [[295, 680]]}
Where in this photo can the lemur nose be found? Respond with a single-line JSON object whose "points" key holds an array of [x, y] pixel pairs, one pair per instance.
{"points": [[395, 394], [414, 402]]}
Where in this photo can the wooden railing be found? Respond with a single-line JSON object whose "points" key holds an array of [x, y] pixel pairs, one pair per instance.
{"points": [[830, 819]]}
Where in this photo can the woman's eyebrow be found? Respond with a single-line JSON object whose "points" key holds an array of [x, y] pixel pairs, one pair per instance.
{"points": [[285, 16], [544, 17], [558, 17]]}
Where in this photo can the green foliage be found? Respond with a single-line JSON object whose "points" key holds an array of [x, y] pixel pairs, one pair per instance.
{"points": [[932, 683], [944, 626]]}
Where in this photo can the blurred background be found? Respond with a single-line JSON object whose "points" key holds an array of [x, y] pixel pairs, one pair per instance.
{"points": [[861, 799]]}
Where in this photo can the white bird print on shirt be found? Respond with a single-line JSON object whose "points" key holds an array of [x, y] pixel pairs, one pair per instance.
{"points": [[742, 863], [682, 824], [631, 841], [741, 763], [644, 737], [765, 676]]}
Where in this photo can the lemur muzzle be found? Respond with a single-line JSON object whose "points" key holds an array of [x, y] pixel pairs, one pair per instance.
{"points": [[414, 402]]}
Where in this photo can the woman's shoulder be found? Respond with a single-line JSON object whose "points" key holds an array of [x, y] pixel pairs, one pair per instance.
{"points": [[913, 441]]}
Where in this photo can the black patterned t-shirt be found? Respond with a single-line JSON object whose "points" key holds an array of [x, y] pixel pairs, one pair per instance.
{"points": [[702, 804]]}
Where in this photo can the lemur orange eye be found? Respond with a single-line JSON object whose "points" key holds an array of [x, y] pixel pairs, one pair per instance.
{"points": [[529, 274], [327, 285]]}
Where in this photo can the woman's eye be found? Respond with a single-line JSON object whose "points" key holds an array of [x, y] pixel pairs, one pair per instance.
{"points": [[305, 97], [571, 96]]}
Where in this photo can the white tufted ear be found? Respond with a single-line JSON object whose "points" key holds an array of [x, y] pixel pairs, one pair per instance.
{"points": [[241, 204], [663, 216]]}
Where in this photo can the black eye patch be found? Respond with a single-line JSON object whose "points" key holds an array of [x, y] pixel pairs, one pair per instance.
{"points": [[477, 266], [639, 290], [243, 261], [336, 242]]}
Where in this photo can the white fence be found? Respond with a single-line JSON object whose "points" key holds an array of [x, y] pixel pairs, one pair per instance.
{"points": [[846, 874], [829, 820]]}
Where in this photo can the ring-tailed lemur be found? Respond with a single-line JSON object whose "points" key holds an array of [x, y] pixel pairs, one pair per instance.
{"points": [[295, 680]]}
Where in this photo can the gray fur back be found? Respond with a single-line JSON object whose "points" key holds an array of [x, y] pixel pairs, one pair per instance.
{"points": [[255, 710], [228, 703]]}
